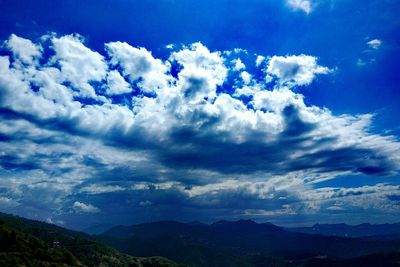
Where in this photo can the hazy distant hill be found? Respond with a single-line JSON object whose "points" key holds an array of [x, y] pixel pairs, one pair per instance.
{"points": [[362, 230], [97, 229], [26, 242], [240, 243]]}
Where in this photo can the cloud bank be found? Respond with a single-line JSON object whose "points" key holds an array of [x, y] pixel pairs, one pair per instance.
{"points": [[192, 129]]}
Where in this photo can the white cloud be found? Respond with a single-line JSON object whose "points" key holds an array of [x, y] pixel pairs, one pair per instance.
{"points": [[117, 84], [374, 44], [260, 59], [335, 208], [303, 5], [277, 100], [7, 203], [184, 104], [24, 49], [79, 65], [187, 130], [202, 71], [295, 70], [101, 189], [246, 77], [87, 208], [138, 63], [365, 197], [238, 65]]}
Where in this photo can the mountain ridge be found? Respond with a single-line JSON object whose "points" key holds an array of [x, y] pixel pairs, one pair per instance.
{"points": [[235, 240], [346, 230], [25, 242]]}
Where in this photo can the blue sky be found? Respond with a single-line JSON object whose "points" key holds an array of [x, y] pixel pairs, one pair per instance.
{"points": [[130, 111]]}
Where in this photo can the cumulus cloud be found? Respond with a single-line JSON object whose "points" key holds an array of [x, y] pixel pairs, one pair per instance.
{"points": [[116, 84], [259, 60], [238, 64], [295, 70], [138, 64], [202, 72], [82, 207], [78, 64], [246, 77], [23, 49], [190, 130]]}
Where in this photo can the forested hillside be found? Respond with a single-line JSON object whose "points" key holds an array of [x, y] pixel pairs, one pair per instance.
{"points": [[31, 243]]}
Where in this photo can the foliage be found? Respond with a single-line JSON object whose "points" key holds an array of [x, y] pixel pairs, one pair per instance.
{"points": [[31, 243]]}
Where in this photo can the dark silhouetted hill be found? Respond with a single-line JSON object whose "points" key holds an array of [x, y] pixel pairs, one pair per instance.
{"points": [[26, 242], [97, 229], [237, 243]]}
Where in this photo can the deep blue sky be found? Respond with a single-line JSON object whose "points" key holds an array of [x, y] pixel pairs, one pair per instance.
{"points": [[362, 79]]}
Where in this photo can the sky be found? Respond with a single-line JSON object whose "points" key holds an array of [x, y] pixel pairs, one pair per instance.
{"points": [[125, 111]]}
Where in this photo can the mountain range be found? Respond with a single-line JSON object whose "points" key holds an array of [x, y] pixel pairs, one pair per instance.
{"points": [[242, 243], [365, 230]]}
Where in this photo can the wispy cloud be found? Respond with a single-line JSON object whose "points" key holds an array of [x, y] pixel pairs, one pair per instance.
{"points": [[374, 44], [303, 5]]}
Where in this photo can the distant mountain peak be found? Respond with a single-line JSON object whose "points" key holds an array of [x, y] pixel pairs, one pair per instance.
{"points": [[238, 222], [194, 223], [346, 230]]}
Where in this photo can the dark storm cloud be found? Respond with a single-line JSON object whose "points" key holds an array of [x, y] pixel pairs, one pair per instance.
{"points": [[200, 149]]}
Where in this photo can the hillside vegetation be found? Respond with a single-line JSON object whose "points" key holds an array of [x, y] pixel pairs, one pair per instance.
{"points": [[31, 243]]}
